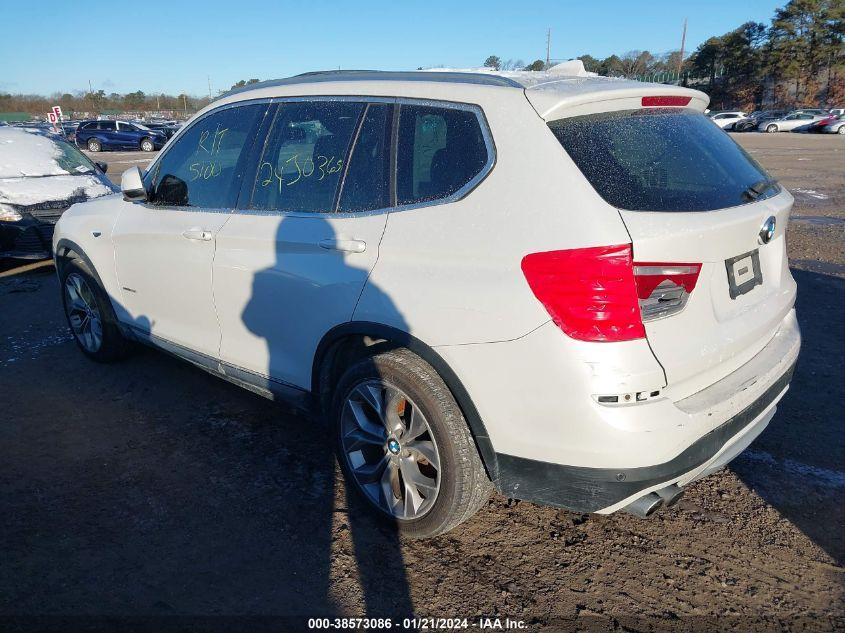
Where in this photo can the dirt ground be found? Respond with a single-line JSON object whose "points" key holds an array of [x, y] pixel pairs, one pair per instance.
{"points": [[148, 490]]}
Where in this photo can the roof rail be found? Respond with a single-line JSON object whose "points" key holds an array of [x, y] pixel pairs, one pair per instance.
{"points": [[317, 76]]}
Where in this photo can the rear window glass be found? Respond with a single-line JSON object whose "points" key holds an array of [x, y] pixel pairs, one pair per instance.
{"points": [[662, 160], [440, 150]]}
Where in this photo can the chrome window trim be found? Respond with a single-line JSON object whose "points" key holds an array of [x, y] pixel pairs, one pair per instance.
{"points": [[433, 103]]}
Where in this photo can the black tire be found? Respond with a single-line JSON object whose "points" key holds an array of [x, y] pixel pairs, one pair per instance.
{"points": [[464, 484], [147, 145], [113, 345], [94, 145], [771, 129]]}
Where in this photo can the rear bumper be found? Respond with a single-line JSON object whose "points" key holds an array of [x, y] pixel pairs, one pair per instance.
{"points": [[647, 446], [606, 490]]}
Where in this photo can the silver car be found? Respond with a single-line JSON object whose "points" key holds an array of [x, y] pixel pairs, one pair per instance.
{"points": [[794, 122], [835, 126]]}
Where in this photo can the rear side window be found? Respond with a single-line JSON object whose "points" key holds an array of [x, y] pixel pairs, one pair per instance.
{"points": [[304, 156], [440, 150], [662, 160], [366, 185], [202, 168], [106, 125]]}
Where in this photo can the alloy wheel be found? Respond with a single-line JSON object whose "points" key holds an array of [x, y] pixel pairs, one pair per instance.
{"points": [[83, 313], [390, 449]]}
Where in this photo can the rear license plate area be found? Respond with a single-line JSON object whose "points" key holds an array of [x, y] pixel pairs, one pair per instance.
{"points": [[743, 273]]}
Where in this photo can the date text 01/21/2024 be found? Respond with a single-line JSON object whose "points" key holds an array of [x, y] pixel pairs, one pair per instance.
{"points": [[414, 624]]}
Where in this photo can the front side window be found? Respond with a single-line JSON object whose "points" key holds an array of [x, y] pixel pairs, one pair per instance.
{"points": [[662, 160], [202, 168], [304, 156], [439, 151]]}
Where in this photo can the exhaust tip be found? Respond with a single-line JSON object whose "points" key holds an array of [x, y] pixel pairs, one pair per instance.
{"points": [[671, 494], [645, 506]]}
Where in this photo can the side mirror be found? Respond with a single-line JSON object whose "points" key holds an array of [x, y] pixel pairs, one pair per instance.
{"points": [[132, 185], [103, 167]]}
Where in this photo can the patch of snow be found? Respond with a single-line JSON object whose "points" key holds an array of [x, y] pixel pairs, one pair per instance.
{"points": [[824, 476], [24, 348], [28, 191], [26, 153], [811, 193], [571, 68]]}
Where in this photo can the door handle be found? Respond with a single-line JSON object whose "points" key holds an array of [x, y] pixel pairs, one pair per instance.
{"points": [[349, 246], [197, 234]]}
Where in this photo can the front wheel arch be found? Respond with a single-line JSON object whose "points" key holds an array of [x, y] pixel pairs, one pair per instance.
{"points": [[67, 250], [380, 337]]}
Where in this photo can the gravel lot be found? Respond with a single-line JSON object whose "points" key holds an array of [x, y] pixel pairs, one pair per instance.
{"points": [[149, 488]]}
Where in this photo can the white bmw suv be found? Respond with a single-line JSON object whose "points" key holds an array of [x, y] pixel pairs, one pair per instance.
{"points": [[573, 291]]}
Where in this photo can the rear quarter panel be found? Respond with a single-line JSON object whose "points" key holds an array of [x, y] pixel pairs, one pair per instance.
{"points": [[451, 273]]}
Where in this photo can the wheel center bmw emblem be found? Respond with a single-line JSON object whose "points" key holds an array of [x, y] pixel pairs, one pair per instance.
{"points": [[767, 231], [393, 446]]}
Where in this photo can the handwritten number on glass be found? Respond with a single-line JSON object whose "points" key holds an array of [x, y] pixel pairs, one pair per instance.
{"points": [[327, 166], [208, 168]]}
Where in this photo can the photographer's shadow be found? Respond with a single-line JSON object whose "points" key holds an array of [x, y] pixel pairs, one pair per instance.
{"points": [[376, 543]]}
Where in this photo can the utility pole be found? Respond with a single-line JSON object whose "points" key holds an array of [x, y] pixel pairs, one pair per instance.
{"points": [[185, 102], [683, 43], [209, 86], [548, 47]]}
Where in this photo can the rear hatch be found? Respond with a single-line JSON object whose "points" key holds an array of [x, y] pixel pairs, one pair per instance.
{"points": [[707, 226]]}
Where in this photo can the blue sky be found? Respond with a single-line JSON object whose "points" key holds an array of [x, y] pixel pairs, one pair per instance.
{"points": [[175, 46]]}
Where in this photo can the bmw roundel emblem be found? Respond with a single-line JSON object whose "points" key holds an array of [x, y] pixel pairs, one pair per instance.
{"points": [[767, 231]]}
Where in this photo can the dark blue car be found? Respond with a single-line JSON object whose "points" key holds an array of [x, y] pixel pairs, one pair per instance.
{"points": [[96, 136]]}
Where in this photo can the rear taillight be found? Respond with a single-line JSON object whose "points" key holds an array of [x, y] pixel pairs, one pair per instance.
{"points": [[663, 288], [590, 293]]}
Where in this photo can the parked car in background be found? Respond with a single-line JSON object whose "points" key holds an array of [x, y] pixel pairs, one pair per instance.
{"points": [[727, 120], [167, 129], [41, 175], [818, 111], [833, 125], [96, 136], [793, 122], [837, 111], [650, 315], [756, 118]]}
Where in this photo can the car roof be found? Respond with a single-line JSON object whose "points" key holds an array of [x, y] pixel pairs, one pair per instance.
{"points": [[549, 92]]}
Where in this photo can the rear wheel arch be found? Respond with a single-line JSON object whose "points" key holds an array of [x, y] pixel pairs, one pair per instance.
{"points": [[347, 343]]}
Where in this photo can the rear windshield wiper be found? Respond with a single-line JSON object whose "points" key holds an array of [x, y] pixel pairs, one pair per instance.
{"points": [[758, 189]]}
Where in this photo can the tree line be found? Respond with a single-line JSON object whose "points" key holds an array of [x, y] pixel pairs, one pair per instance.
{"points": [[96, 102], [797, 60]]}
